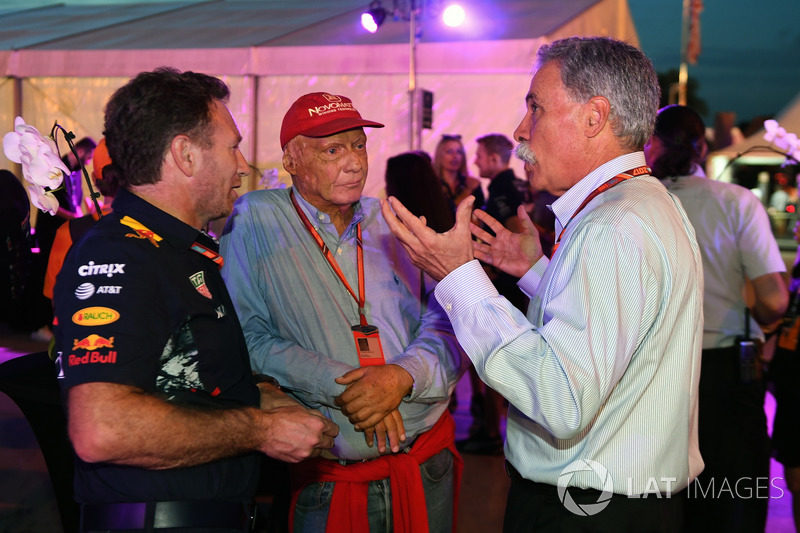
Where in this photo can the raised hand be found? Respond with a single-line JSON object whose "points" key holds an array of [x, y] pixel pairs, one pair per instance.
{"points": [[438, 254], [513, 253]]}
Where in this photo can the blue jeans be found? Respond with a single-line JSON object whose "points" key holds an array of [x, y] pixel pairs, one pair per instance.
{"points": [[313, 503]]}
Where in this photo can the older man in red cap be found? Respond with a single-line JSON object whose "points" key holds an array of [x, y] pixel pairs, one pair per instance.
{"points": [[332, 307]]}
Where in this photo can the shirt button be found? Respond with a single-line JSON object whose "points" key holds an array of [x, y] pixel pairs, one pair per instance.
{"points": [[320, 217], [448, 307], [339, 251]]}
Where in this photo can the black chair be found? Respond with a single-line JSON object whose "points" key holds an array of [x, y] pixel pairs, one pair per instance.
{"points": [[30, 381]]}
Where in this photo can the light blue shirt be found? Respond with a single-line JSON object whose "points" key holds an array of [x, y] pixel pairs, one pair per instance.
{"points": [[296, 314], [606, 364]]}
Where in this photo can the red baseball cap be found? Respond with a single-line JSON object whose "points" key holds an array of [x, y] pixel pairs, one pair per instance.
{"points": [[321, 115]]}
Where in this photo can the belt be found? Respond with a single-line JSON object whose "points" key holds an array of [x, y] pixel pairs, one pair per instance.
{"points": [[345, 462], [513, 473], [162, 515]]}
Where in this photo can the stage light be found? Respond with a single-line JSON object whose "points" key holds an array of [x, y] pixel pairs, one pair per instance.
{"points": [[454, 15], [374, 17]]}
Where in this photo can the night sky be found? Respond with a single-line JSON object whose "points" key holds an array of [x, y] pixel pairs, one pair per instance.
{"points": [[750, 59]]}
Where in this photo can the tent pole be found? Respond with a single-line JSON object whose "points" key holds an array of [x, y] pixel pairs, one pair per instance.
{"points": [[683, 73], [254, 129], [17, 103], [413, 111]]}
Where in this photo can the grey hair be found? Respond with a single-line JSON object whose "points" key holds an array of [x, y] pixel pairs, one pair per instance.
{"points": [[601, 66]]}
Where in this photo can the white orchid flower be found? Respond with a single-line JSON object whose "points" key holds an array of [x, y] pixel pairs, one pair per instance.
{"points": [[43, 199], [791, 142], [787, 142], [773, 130], [41, 166]]}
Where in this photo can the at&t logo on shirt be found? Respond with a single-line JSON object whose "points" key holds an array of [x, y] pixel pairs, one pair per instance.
{"points": [[87, 290]]}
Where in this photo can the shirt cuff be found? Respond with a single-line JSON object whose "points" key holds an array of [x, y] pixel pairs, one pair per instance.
{"points": [[464, 287], [530, 281], [410, 365]]}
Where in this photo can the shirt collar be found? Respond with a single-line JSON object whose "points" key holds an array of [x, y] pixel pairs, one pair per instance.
{"points": [[698, 171], [318, 218], [695, 172], [178, 233], [565, 206]]}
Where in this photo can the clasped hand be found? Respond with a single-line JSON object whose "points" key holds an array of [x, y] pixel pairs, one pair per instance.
{"points": [[370, 402]]}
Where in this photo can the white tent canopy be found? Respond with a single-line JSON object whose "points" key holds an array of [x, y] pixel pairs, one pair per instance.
{"points": [[62, 62]]}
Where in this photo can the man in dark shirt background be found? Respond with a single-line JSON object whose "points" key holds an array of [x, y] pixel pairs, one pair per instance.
{"points": [[506, 194]]}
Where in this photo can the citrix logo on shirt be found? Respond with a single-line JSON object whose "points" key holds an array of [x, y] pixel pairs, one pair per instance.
{"points": [[91, 269]]}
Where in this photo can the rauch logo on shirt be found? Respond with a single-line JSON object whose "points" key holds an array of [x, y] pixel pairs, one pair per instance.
{"points": [[95, 316]]}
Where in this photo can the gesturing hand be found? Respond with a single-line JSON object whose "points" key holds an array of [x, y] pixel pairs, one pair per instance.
{"points": [[513, 253], [438, 254]]}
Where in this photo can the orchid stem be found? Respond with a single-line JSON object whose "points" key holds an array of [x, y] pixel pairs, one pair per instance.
{"points": [[68, 136]]}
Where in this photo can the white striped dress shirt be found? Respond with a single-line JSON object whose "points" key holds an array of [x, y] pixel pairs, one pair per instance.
{"points": [[606, 364]]}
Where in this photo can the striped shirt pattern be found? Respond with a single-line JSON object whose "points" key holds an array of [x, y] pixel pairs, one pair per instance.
{"points": [[605, 365]]}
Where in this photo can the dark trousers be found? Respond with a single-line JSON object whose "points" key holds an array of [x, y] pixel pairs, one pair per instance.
{"points": [[536, 507], [732, 492]]}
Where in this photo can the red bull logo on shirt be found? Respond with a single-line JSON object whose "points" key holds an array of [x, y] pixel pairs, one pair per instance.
{"points": [[93, 357], [93, 342], [95, 316], [141, 231]]}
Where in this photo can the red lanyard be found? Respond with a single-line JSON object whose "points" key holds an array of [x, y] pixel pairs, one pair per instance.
{"points": [[211, 254], [616, 180], [361, 298]]}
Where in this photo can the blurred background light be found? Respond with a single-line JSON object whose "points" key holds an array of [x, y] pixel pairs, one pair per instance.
{"points": [[374, 17], [454, 15]]}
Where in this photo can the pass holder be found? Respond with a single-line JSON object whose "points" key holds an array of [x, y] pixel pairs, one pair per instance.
{"points": [[749, 365], [368, 345], [749, 370]]}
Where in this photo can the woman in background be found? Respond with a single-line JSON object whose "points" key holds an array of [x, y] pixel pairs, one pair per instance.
{"points": [[450, 165], [410, 178]]}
